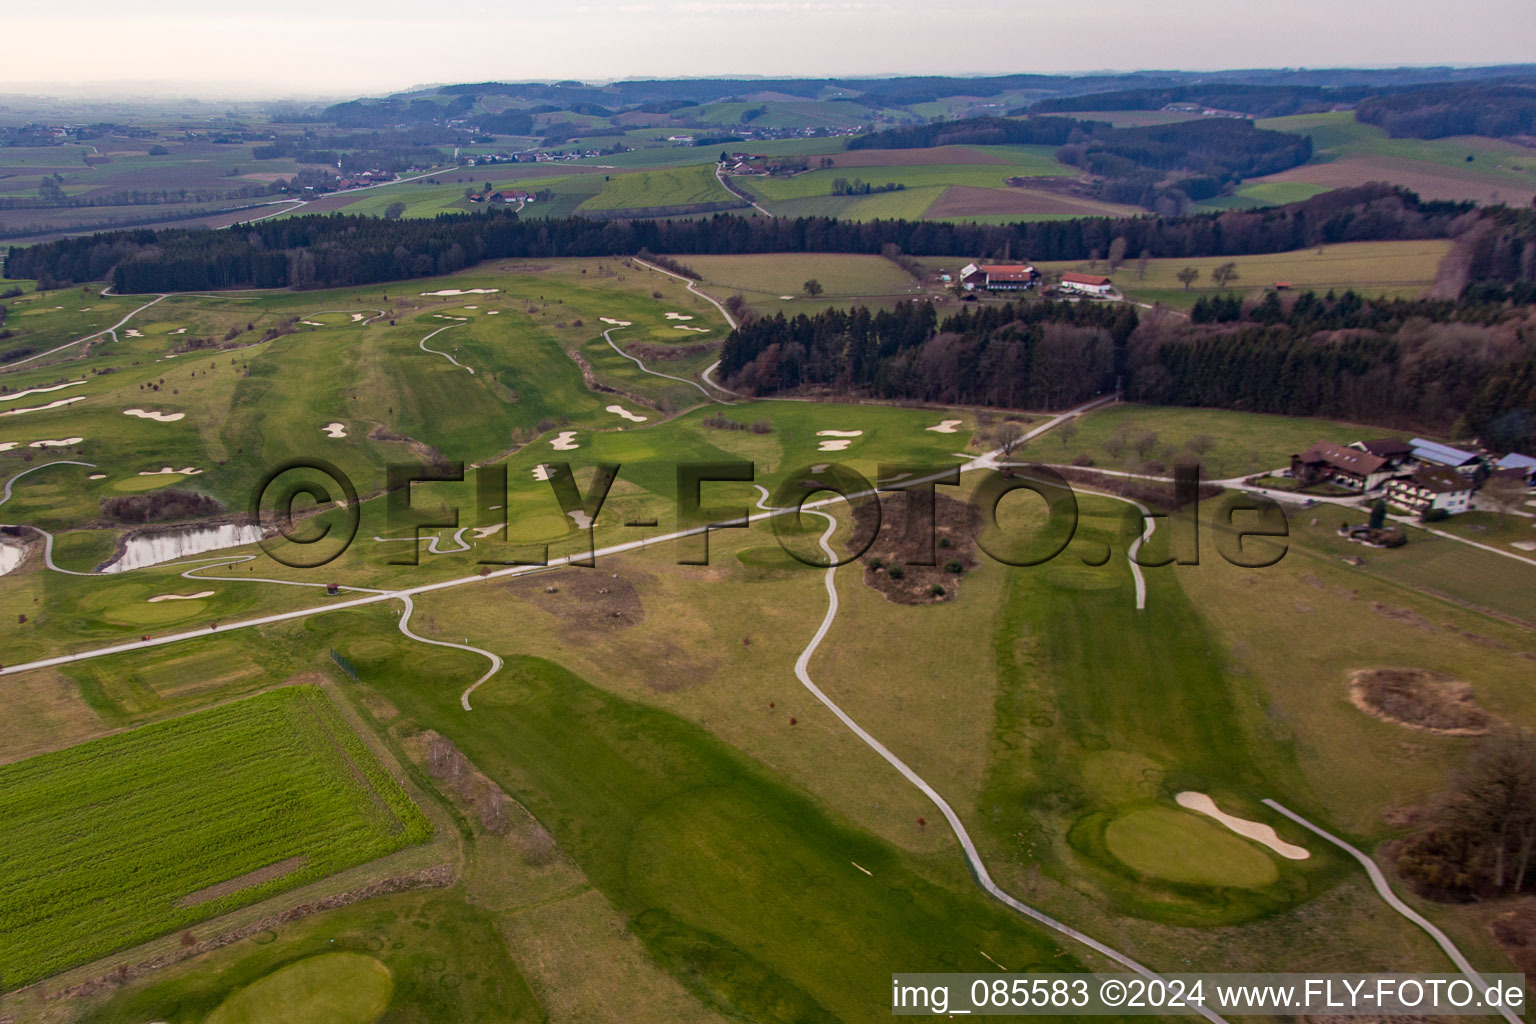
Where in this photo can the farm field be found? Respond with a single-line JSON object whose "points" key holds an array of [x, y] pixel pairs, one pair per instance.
{"points": [[1347, 152], [130, 836], [1235, 443], [683, 186], [773, 282], [1394, 269], [910, 175]]}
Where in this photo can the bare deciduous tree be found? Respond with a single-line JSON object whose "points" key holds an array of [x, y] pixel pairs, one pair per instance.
{"points": [[1117, 253], [1008, 438]]}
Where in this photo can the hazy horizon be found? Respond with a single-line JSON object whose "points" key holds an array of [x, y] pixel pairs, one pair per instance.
{"points": [[170, 48]]}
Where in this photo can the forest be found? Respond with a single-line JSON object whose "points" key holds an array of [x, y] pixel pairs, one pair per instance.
{"points": [[1497, 109], [320, 251], [1442, 365], [1188, 160], [1254, 100]]}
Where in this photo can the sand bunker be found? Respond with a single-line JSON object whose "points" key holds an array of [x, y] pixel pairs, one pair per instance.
{"points": [[1257, 831], [335, 429], [180, 597], [786, 298], [541, 472], [444, 316], [62, 443], [464, 291], [580, 518], [471, 307], [168, 471], [611, 320], [356, 317], [945, 427], [1419, 700], [685, 327], [820, 467], [11, 555], [565, 441], [6, 446], [132, 333], [180, 330], [97, 476], [493, 312], [678, 316], [619, 410], [1524, 545], [837, 445], [51, 405], [312, 323], [40, 391], [481, 532], [159, 417]]}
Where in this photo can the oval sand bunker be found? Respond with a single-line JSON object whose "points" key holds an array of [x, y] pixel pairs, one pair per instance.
{"points": [[1257, 831]]}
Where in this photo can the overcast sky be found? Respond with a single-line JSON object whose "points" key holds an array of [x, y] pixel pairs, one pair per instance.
{"points": [[309, 47]]}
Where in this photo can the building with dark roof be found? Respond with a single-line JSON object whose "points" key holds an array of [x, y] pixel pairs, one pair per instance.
{"points": [[1431, 489], [1350, 467]]}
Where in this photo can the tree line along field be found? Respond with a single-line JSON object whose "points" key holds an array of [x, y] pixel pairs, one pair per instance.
{"points": [[122, 839], [1403, 269]]}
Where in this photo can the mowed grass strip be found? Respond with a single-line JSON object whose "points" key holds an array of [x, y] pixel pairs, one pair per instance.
{"points": [[675, 186], [104, 840]]}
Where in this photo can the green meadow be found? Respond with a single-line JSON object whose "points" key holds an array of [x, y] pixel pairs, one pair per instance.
{"points": [[133, 835]]}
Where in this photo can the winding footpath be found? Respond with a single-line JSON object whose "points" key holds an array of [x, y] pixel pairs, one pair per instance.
{"points": [[5, 496], [91, 337], [445, 355], [972, 856], [608, 337], [496, 662], [1391, 899], [708, 372]]}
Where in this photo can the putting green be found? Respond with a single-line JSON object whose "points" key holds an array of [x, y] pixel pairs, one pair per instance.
{"points": [[338, 988], [133, 484], [154, 613], [1180, 847]]}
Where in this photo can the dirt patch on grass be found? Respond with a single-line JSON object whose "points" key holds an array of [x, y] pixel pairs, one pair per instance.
{"points": [[1413, 619], [588, 600], [650, 353], [1419, 699], [245, 881], [1515, 931], [888, 564]]}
